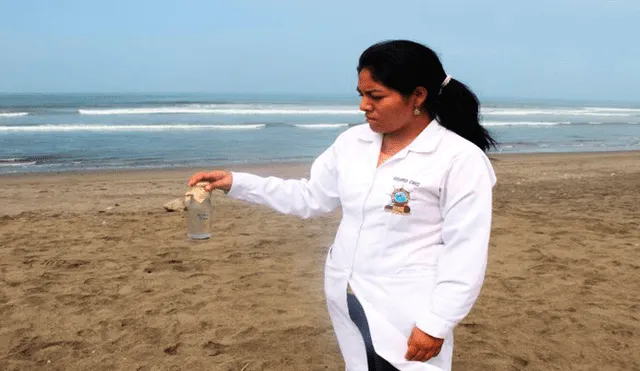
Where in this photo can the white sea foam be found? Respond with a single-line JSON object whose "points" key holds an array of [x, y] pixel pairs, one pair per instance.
{"points": [[586, 111], [524, 123], [613, 109], [13, 114], [239, 109], [102, 128], [320, 126], [606, 114], [141, 111], [10, 164]]}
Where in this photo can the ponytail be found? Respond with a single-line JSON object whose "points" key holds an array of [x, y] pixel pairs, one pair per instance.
{"points": [[457, 108]]}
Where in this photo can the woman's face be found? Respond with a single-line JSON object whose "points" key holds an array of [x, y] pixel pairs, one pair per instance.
{"points": [[386, 110]]}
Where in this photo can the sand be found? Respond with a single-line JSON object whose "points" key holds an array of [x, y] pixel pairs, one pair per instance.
{"points": [[96, 275]]}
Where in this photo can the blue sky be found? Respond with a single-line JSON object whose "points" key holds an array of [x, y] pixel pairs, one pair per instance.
{"points": [[542, 49]]}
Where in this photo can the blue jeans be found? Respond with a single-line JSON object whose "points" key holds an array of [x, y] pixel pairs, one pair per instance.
{"points": [[356, 312]]}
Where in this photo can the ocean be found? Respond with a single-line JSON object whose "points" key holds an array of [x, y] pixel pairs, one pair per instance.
{"points": [[69, 132]]}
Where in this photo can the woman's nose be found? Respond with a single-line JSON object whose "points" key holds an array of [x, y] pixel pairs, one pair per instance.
{"points": [[365, 105]]}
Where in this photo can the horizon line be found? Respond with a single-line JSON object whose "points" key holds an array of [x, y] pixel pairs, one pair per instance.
{"points": [[515, 99]]}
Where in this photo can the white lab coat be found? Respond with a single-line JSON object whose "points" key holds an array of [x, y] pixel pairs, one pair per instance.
{"points": [[421, 266]]}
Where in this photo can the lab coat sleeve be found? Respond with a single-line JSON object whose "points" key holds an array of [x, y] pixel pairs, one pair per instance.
{"points": [[304, 198], [466, 207]]}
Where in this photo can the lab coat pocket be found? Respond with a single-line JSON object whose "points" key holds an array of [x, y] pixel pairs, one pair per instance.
{"points": [[402, 297]]}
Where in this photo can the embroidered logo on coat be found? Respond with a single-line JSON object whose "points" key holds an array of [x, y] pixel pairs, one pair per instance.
{"points": [[399, 204]]}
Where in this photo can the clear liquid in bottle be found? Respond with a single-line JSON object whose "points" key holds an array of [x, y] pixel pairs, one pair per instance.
{"points": [[200, 212]]}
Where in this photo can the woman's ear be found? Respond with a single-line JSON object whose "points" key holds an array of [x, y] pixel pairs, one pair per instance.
{"points": [[419, 96]]}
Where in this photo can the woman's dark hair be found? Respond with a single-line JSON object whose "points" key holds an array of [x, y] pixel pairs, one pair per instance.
{"points": [[404, 65]]}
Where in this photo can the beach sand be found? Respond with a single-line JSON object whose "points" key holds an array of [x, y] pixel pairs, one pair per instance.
{"points": [[96, 275]]}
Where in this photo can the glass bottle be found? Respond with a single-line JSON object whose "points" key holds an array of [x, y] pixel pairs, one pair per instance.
{"points": [[200, 212]]}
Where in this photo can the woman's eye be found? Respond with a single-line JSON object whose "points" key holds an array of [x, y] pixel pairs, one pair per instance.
{"points": [[376, 97]]}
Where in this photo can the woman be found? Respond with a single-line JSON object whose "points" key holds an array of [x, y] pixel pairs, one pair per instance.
{"points": [[415, 188]]}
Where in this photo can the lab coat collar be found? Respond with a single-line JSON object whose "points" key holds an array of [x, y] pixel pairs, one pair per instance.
{"points": [[427, 141]]}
